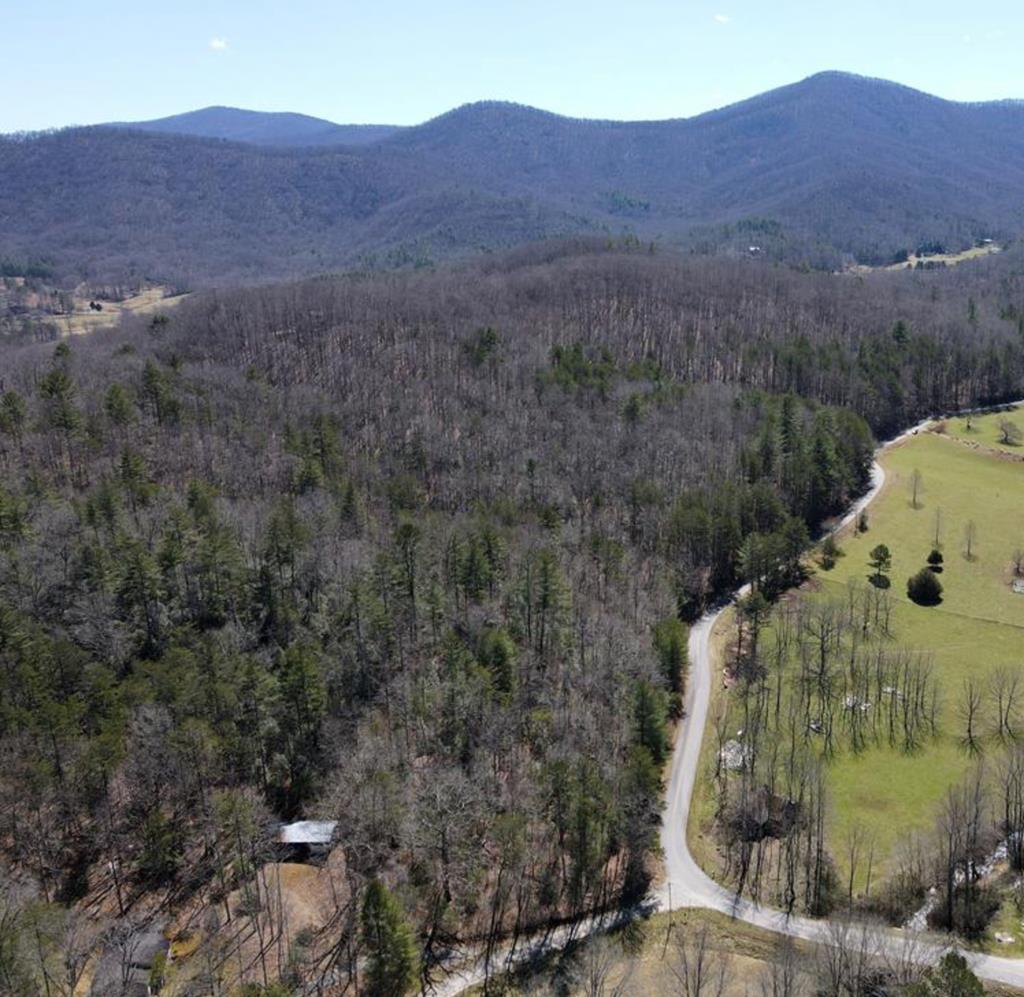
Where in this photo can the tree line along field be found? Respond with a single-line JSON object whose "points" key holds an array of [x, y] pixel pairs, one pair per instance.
{"points": [[887, 791], [1002, 431]]}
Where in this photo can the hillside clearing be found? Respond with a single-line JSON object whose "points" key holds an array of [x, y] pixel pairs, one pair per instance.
{"points": [[85, 319], [924, 260]]}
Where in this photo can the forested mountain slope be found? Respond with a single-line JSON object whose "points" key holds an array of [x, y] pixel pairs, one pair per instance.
{"points": [[411, 552], [261, 127], [828, 169]]}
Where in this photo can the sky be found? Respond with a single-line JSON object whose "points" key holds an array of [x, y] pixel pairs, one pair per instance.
{"points": [[402, 62]]}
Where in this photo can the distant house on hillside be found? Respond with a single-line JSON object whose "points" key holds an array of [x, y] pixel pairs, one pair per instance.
{"points": [[306, 840]]}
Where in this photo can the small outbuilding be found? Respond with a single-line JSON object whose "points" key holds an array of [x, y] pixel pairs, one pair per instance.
{"points": [[306, 840]]}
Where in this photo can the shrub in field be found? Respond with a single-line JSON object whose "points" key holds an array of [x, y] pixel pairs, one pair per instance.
{"points": [[924, 588]]}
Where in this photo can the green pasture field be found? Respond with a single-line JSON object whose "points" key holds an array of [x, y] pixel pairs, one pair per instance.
{"points": [[978, 627], [883, 794]]}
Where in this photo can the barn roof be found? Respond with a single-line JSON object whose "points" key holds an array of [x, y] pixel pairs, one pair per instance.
{"points": [[307, 832]]}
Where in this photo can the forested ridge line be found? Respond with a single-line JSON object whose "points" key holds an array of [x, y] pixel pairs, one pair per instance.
{"points": [[414, 553], [827, 171]]}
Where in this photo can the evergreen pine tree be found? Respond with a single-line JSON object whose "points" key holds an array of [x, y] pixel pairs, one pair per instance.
{"points": [[391, 951], [670, 644]]}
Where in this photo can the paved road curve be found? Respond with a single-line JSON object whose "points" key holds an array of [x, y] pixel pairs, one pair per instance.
{"points": [[686, 884]]}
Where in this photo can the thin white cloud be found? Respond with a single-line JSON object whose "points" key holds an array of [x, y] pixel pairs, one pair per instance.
{"points": [[218, 44], [722, 18]]}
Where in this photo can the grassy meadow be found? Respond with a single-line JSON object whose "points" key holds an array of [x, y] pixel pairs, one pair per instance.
{"points": [[983, 431], [883, 794], [978, 627]]}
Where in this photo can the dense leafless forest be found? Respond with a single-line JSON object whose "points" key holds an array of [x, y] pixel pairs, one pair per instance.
{"points": [[414, 553]]}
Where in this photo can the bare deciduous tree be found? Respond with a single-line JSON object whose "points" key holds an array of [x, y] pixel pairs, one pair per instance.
{"points": [[784, 974], [850, 960], [1005, 694], [1010, 433], [699, 968], [969, 710], [601, 969], [970, 540], [916, 488]]}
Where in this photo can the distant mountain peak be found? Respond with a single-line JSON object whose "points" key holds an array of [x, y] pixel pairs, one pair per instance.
{"points": [[494, 110], [272, 128], [842, 75], [839, 81]]}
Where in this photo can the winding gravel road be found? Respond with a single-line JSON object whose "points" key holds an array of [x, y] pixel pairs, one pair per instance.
{"points": [[686, 884]]}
